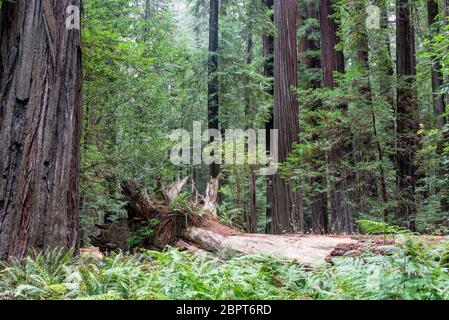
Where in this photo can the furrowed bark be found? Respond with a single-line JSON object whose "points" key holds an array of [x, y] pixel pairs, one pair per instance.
{"points": [[286, 206], [40, 125]]}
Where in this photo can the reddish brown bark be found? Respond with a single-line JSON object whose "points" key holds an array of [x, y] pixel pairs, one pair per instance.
{"points": [[332, 59], [40, 124], [285, 202]]}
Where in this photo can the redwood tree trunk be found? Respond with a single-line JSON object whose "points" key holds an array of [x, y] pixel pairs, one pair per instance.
{"points": [[213, 98], [332, 59], [285, 202], [40, 124], [407, 113]]}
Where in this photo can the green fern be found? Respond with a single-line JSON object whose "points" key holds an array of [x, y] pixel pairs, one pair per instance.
{"points": [[417, 271]]}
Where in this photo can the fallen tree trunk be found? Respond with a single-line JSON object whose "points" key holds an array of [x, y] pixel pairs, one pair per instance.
{"points": [[309, 250], [197, 228]]}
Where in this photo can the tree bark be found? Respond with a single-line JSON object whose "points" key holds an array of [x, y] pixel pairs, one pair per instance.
{"points": [[407, 114], [40, 125], [285, 202], [332, 59], [309, 250], [213, 84]]}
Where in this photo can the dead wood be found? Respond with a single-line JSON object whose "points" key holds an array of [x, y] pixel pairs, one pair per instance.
{"points": [[197, 229]]}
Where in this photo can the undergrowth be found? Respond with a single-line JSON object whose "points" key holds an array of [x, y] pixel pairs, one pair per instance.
{"points": [[417, 270]]}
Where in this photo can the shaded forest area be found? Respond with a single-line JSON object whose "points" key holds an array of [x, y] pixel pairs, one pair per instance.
{"points": [[352, 97]]}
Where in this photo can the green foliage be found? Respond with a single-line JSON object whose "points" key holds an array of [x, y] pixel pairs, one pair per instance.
{"points": [[142, 78], [40, 276], [146, 73], [416, 270], [432, 161], [139, 238], [380, 228]]}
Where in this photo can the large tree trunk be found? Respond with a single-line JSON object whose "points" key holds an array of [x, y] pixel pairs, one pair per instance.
{"points": [[407, 113], [213, 98], [40, 124], [342, 213], [268, 51], [437, 77], [286, 207], [310, 250], [332, 59]]}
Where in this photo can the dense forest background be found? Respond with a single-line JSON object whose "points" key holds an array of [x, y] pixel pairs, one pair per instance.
{"points": [[372, 141]]}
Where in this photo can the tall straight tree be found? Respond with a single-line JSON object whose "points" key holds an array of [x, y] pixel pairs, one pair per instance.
{"points": [[332, 59], [437, 77], [407, 113], [286, 207], [268, 51], [213, 98], [40, 125]]}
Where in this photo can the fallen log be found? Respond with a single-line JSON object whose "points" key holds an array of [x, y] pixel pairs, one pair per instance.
{"points": [[155, 223], [310, 250]]}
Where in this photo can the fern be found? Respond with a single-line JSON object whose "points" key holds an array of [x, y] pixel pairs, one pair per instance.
{"points": [[416, 271], [380, 228]]}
